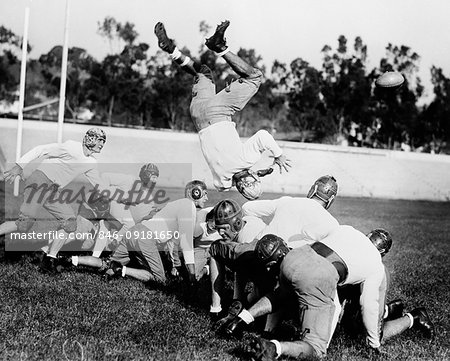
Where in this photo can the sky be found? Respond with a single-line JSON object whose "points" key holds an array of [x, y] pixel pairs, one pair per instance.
{"points": [[278, 30]]}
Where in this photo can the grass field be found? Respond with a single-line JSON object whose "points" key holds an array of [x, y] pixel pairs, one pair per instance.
{"points": [[78, 316]]}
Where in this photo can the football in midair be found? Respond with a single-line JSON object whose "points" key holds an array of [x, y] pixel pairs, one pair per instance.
{"points": [[390, 79]]}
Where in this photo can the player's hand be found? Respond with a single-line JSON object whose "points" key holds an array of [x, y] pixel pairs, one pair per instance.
{"points": [[174, 272], [192, 278], [126, 201], [153, 211], [10, 175], [191, 273], [282, 162]]}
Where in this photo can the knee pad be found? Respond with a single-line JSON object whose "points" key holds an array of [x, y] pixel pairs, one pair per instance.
{"points": [[24, 223], [68, 225]]}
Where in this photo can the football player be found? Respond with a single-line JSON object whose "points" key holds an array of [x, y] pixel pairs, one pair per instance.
{"points": [[173, 225], [59, 165], [204, 234], [110, 219], [396, 321], [311, 274], [300, 220], [227, 156]]}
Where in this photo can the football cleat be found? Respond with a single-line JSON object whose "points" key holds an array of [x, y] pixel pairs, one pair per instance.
{"points": [[261, 349], [50, 265], [235, 328], [395, 309], [164, 42], [105, 266], [423, 322], [114, 271], [235, 309], [217, 41], [38, 256], [65, 262]]}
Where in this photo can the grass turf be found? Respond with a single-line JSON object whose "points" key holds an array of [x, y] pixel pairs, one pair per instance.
{"points": [[78, 316]]}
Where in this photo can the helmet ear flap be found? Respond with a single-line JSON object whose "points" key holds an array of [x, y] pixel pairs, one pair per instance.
{"points": [[195, 190], [196, 193]]}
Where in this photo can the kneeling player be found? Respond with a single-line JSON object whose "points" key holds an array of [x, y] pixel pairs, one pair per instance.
{"points": [[110, 220]]}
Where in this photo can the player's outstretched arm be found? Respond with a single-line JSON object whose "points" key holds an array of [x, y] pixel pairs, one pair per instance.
{"points": [[10, 175], [283, 162]]}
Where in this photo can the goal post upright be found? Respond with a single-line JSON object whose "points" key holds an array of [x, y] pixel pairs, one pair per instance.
{"points": [[23, 71], [62, 89]]}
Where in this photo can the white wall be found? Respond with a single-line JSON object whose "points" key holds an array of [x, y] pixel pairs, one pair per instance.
{"points": [[360, 172]]}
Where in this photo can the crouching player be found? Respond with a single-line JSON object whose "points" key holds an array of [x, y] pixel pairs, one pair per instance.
{"points": [[108, 221], [204, 233], [299, 220], [396, 321], [138, 254]]}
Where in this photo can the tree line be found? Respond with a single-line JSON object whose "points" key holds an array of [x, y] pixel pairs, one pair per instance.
{"points": [[336, 103]]}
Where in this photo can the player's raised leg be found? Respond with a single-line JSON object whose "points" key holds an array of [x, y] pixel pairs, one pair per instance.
{"points": [[168, 45], [218, 44]]}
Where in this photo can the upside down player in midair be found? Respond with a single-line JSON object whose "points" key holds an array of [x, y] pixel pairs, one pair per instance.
{"points": [[228, 158]]}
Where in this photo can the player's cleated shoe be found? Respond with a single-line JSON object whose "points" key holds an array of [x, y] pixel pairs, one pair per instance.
{"points": [[423, 322], [236, 328], [263, 172], [50, 265], [235, 309], [164, 42], [65, 262], [37, 257], [395, 309], [114, 271], [105, 266], [261, 349], [217, 41]]}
